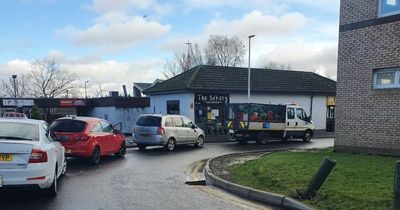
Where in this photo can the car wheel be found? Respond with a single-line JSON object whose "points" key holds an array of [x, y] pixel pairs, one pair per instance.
{"points": [[95, 157], [170, 145], [122, 151], [53, 189], [200, 142], [141, 147], [307, 136], [262, 138]]}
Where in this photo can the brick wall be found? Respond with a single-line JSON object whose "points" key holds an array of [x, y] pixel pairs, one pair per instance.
{"points": [[368, 120]]}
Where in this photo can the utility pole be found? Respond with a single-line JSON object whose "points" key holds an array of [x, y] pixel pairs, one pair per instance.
{"points": [[85, 89], [248, 76], [14, 77]]}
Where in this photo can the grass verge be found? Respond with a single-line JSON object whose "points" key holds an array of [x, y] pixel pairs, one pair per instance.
{"points": [[356, 182]]}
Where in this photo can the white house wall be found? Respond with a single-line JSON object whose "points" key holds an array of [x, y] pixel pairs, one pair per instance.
{"points": [[158, 103], [319, 104], [127, 116]]}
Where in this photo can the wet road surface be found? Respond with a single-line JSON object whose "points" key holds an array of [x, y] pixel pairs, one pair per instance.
{"points": [[150, 179]]}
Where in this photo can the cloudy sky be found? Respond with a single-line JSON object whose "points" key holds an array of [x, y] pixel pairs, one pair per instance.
{"points": [[110, 42]]}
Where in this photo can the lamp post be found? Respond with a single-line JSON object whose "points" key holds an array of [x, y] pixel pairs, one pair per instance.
{"points": [[15, 91], [248, 76], [85, 89]]}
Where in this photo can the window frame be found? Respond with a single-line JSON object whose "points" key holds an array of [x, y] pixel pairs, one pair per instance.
{"points": [[294, 113], [396, 78], [172, 103], [385, 14]]}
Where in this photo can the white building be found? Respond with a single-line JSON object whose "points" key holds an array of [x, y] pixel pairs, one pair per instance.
{"points": [[203, 92]]}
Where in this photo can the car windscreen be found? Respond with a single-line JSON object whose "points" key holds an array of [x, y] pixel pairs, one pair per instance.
{"points": [[69, 126], [152, 121], [19, 131]]}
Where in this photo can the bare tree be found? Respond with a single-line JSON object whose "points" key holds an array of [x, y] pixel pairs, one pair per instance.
{"points": [[224, 51], [279, 66], [182, 62], [48, 80], [22, 86]]}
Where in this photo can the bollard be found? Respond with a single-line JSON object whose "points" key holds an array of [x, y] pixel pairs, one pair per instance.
{"points": [[396, 193], [316, 182]]}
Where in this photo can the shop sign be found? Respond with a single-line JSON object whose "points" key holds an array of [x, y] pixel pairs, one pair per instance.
{"points": [[211, 98], [20, 102], [72, 102]]}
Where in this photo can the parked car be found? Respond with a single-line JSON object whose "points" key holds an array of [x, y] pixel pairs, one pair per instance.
{"points": [[30, 156], [89, 137], [166, 130]]}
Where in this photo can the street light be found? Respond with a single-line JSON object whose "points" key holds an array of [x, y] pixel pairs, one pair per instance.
{"points": [[85, 89], [15, 91], [248, 76]]}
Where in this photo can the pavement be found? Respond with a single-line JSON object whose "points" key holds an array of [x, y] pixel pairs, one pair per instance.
{"points": [[149, 179]]}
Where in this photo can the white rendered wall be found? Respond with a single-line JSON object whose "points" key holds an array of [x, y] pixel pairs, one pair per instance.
{"points": [[158, 103], [127, 116]]}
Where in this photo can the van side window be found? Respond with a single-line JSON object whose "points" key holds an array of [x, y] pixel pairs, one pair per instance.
{"points": [[177, 121], [290, 113], [300, 114], [168, 122]]}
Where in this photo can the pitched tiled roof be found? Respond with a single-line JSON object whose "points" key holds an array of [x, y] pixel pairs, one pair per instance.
{"points": [[234, 79]]}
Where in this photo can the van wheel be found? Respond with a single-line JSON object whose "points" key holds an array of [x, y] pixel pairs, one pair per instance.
{"points": [[200, 142], [307, 136], [242, 140], [262, 138], [170, 145], [53, 189], [95, 157]]}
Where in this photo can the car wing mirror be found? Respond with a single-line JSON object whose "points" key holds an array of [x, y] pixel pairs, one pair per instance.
{"points": [[117, 131]]}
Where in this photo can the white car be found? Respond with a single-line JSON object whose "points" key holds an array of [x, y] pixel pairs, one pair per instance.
{"points": [[30, 156]]}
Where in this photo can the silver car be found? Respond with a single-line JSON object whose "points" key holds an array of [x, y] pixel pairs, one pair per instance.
{"points": [[166, 130]]}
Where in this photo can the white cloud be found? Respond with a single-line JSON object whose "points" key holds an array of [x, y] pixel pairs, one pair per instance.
{"points": [[117, 35], [123, 6], [110, 74], [257, 23], [319, 57]]}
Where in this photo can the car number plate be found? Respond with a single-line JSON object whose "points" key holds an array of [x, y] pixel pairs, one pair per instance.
{"points": [[5, 157], [68, 151]]}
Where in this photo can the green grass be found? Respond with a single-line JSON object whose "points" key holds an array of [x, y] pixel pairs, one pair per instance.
{"points": [[356, 182]]}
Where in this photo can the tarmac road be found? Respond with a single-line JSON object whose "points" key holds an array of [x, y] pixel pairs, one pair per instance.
{"points": [[150, 179]]}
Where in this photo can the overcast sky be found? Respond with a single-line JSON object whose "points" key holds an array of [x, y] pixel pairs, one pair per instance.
{"points": [[110, 42]]}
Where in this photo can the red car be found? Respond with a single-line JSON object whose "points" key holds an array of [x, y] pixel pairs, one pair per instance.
{"points": [[89, 137]]}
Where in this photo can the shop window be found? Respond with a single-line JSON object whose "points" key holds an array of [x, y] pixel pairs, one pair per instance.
{"points": [[173, 107], [389, 7], [387, 78]]}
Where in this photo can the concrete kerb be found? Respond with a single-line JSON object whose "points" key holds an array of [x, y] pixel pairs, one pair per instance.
{"points": [[251, 193]]}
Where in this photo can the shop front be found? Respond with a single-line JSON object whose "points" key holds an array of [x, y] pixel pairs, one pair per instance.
{"points": [[210, 110]]}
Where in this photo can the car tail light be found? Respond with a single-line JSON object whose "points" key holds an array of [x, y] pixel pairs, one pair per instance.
{"points": [[36, 178], [82, 138], [38, 156], [160, 131]]}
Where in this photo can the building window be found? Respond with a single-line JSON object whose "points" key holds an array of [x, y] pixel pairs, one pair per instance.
{"points": [[387, 78], [173, 107], [389, 7]]}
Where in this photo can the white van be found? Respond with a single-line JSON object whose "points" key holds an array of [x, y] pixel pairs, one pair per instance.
{"points": [[263, 122]]}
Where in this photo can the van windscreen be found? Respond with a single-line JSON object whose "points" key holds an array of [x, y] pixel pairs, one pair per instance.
{"points": [[149, 121]]}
